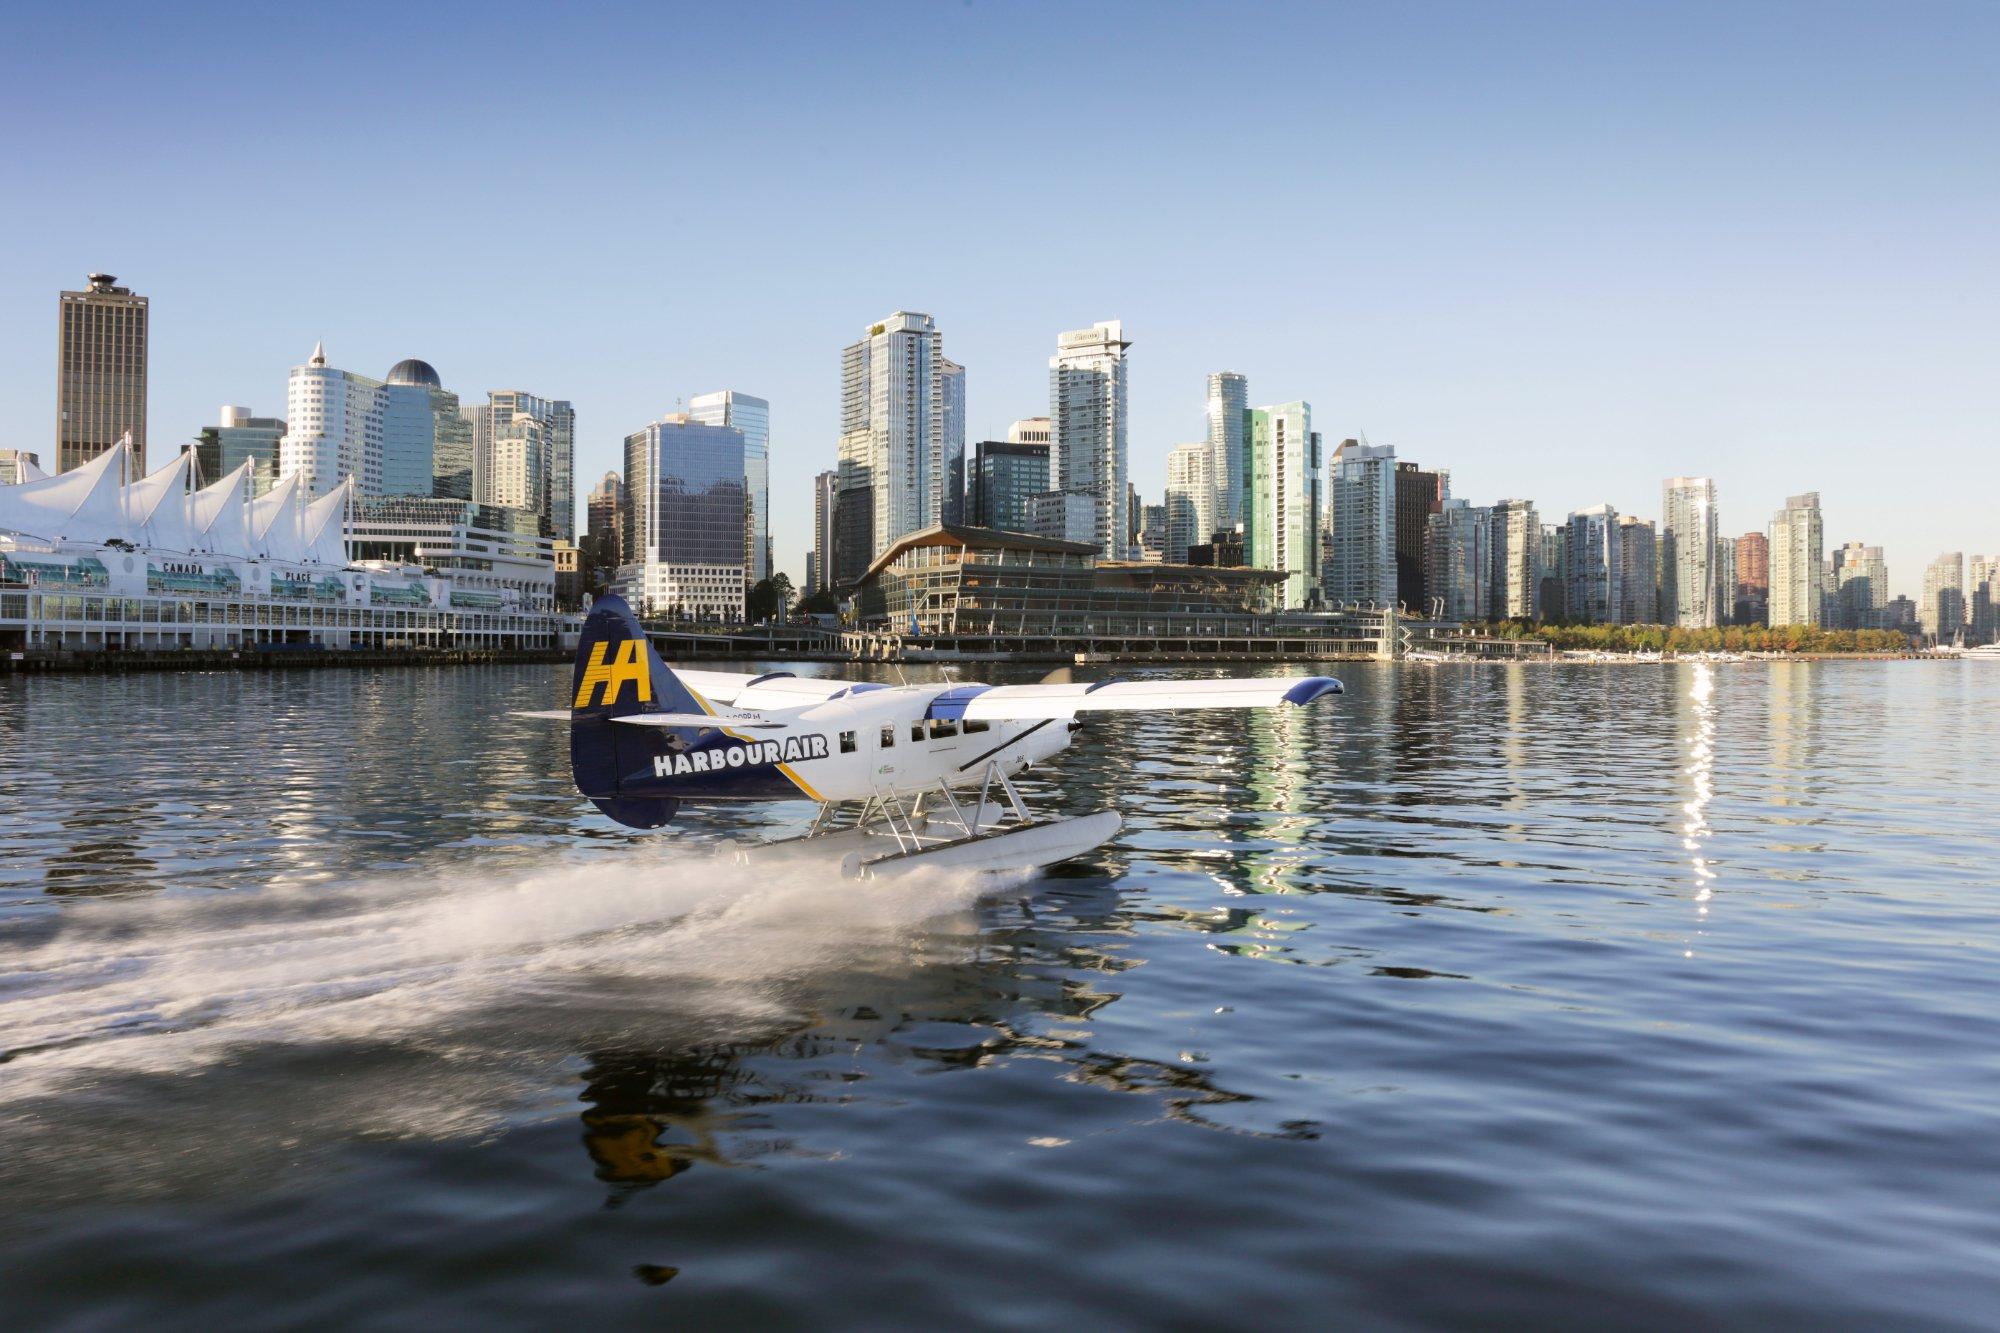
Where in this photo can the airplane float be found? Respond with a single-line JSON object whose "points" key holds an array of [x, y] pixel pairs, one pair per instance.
{"points": [[904, 775]]}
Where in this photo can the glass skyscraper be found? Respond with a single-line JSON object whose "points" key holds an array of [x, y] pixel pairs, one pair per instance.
{"points": [[1689, 594], [1228, 400], [1190, 499], [1281, 501], [1004, 475], [752, 416], [1087, 414], [1362, 524], [1798, 557], [685, 500]]}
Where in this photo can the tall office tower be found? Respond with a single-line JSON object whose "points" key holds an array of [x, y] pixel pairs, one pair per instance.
{"points": [[1592, 566], [454, 460], [409, 429], [1361, 520], [1689, 595], [1751, 593], [1517, 548], [1552, 602], [554, 501], [1087, 413], [517, 452], [239, 438], [1638, 571], [1066, 516], [1460, 537], [1419, 494], [819, 566], [1982, 599], [1282, 500], [101, 373], [1725, 579], [602, 510], [949, 476], [333, 428], [1860, 587], [1228, 400], [1003, 475], [1941, 612], [684, 505], [1031, 430], [752, 416], [1134, 521], [1190, 500], [1797, 555], [18, 465], [893, 456], [1153, 532]]}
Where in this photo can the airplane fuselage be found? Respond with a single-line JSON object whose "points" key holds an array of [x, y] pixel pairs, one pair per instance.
{"points": [[874, 741]]}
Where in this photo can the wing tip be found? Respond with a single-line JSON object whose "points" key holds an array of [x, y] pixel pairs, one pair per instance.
{"points": [[1311, 688]]}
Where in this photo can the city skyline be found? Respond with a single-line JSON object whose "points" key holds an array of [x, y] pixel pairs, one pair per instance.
{"points": [[1607, 326]]}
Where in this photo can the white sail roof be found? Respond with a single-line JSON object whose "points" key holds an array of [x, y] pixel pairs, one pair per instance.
{"points": [[325, 527], [29, 471], [274, 523], [219, 517], [85, 504], [156, 507]]}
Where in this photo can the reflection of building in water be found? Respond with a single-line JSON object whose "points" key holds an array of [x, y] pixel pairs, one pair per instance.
{"points": [[1514, 743], [1278, 743], [1788, 714]]}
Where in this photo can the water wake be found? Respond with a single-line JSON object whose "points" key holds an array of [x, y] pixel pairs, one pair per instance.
{"points": [[175, 984]]}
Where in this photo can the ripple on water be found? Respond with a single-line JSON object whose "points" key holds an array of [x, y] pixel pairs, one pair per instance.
{"points": [[1658, 994]]}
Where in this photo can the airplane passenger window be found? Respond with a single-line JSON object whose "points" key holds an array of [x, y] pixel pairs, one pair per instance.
{"points": [[847, 742], [888, 737], [941, 728], [973, 728], [916, 731]]}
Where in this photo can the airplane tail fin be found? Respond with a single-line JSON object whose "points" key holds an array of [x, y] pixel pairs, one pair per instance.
{"points": [[617, 674]]}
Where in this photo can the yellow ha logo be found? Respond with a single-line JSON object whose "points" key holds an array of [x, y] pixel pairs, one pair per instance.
{"points": [[631, 665]]}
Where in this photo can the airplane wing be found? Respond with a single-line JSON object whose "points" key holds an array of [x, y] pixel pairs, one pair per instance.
{"points": [[719, 722], [1017, 702], [715, 722], [773, 689]]}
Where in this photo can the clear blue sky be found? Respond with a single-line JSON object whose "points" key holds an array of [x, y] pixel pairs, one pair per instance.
{"points": [[1563, 250]]}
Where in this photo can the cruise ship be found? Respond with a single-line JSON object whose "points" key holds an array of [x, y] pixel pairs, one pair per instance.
{"points": [[89, 563]]}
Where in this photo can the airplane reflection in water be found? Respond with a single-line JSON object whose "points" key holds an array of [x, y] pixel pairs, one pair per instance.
{"points": [[1027, 995]]}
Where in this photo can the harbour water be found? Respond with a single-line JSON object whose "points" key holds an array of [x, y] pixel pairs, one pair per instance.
{"points": [[1538, 995]]}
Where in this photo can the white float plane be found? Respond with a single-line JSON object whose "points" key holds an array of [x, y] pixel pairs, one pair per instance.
{"points": [[905, 776]]}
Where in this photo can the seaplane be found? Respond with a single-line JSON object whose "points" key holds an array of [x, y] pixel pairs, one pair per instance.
{"points": [[903, 776]]}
